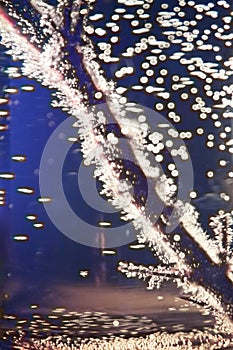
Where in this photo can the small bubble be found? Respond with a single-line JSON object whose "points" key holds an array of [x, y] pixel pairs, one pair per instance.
{"points": [[163, 72], [159, 106], [222, 147], [217, 124], [181, 255], [184, 96], [210, 174], [193, 194], [176, 238], [143, 80], [159, 158], [175, 173], [171, 105], [222, 162], [171, 166], [160, 80]]}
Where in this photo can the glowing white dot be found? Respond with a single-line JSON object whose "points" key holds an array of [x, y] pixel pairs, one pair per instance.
{"points": [[171, 166], [176, 238], [149, 72], [218, 57], [181, 255], [173, 188], [98, 95], [200, 131], [214, 116], [210, 144], [226, 198], [143, 80], [193, 194], [116, 323], [171, 105], [159, 106], [222, 147], [222, 162], [142, 118], [145, 65], [169, 143], [184, 96], [217, 124], [162, 57], [223, 135], [115, 29], [216, 48], [114, 39], [193, 90], [176, 118], [160, 80], [163, 72], [174, 173], [159, 158], [174, 152]]}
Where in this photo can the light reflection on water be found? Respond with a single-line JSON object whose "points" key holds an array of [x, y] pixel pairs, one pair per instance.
{"points": [[105, 313]]}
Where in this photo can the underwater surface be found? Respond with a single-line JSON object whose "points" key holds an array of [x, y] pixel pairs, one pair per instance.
{"points": [[116, 174]]}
